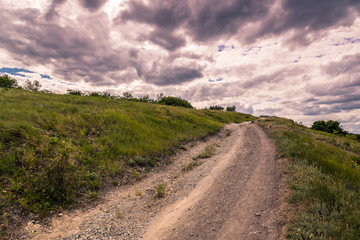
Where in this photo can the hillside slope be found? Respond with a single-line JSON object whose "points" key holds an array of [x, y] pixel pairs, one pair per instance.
{"points": [[324, 177], [57, 149]]}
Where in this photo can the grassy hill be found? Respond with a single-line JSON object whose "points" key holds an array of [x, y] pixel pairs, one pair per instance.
{"points": [[324, 177], [58, 149]]}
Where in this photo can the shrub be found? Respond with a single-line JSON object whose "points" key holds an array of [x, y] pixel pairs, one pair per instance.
{"points": [[231, 109], [216, 107], [329, 127], [175, 101], [74, 92], [8, 82]]}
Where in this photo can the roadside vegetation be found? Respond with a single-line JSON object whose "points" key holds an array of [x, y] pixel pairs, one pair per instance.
{"points": [[59, 150], [324, 177]]}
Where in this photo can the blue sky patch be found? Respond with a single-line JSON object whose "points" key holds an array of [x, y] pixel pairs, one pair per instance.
{"points": [[221, 47], [45, 76], [15, 71]]}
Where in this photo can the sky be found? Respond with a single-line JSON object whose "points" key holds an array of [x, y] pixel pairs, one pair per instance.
{"points": [[298, 59]]}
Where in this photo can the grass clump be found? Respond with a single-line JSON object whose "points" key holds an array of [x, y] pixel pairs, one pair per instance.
{"points": [[188, 167], [160, 190], [324, 178], [208, 151], [118, 214], [138, 193]]}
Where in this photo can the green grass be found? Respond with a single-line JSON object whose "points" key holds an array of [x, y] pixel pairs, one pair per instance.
{"points": [[324, 175], [57, 150], [160, 190], [208, 152]]}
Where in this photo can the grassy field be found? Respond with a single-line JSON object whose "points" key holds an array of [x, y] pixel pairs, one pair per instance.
{"points": [[56, 150], [324, 176]]}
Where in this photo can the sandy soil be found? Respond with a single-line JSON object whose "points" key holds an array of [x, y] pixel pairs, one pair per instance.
{"points": [[235, 194]]}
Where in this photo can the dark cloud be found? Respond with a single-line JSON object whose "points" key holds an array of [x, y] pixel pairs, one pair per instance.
{"points": [[92, 5], [73, 52], [348, 64], [173, 76], [308, 18], [51, 13], [205, 20], [167, 15], [166, 40]]}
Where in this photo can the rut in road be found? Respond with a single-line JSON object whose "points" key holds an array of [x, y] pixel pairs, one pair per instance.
{"points": [[239, 199]]}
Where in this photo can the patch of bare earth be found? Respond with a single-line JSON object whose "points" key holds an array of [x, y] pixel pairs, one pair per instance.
{"points": [[235, 194]]}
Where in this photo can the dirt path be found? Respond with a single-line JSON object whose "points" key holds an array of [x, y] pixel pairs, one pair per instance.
{"points": [[232, 195], [238, 200]]}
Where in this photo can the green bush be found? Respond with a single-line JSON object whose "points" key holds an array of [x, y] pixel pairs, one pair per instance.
{"points": [[175, 101], [8, 82], [216, 107]]}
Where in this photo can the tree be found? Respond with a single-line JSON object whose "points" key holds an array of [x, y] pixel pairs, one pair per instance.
{"points": [[231, 109], [216, 107], [74, 92], [127, 96], [145, 98], [329, 127], [8, 82], [32, 86]]}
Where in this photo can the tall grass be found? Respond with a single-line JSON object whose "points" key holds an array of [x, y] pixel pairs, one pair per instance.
{"points": [[324, 175], [57, 149]]}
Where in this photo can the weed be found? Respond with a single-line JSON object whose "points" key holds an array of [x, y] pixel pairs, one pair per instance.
{"points": [[138, 192], [118, 214], [135, 174], [160, 190], [228, 132], [208, 152], [188, 167]]}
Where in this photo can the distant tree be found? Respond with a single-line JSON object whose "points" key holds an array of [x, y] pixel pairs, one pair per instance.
{"points": [[231, 109], [94, 94], [100, 94], [8, 82], [216, 107], [329, 127], [159, 97], [32, 86], [74, 92], [145, 98], [127, 96], [175, 101]]}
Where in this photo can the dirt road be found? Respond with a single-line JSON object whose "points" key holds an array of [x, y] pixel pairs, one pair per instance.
{"points": [[238, 200], [232, 195]]}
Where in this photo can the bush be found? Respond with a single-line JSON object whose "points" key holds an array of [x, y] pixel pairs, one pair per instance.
{"points": [[231, 109], [329, 127], [8, 82], [216, 107], [74, 92], [175, 101]]}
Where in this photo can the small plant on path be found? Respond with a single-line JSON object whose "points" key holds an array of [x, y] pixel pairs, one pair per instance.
{"points": [[160, 190]]}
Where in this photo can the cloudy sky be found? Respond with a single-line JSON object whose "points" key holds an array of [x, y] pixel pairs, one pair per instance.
{"points": [[293, 58]]}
